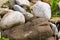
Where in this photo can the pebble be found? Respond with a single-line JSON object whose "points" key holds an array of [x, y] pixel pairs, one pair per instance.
{"points": [[19, 8], [28, 16], [42, 9], [12, 18], [54, 28]]}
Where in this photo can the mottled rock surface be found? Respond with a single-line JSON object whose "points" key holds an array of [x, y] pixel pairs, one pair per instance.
{"points": [[36, 29]]}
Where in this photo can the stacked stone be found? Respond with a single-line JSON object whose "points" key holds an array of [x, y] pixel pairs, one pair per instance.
{"points": [[18, 24]]}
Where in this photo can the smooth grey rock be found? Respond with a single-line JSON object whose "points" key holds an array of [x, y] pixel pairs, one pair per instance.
{"points": [[41, 9], [23, 2], [54, 28], [19, 8], [12, 18]]}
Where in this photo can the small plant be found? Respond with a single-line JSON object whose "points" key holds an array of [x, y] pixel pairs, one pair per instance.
{"points": [[3, 38], [54, 8]]}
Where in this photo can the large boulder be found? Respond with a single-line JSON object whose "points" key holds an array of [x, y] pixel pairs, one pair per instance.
{"points": [[43, 26], [41, 9], [33, 30], [22, 32], [12, 18]]}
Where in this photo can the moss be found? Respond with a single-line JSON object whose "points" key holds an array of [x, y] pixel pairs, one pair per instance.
{"points": [[6, 3], [54, 8], [3, 38]]}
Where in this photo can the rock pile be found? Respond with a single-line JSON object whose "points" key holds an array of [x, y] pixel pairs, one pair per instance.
{"points": [[35, 30], [19, 24]]}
